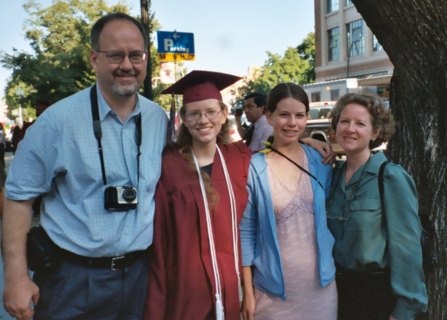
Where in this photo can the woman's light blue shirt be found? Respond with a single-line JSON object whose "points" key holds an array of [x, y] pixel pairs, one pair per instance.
{"points": [[259, 239]]}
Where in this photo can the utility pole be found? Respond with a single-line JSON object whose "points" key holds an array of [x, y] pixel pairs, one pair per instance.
{"points": [[146, 20]]}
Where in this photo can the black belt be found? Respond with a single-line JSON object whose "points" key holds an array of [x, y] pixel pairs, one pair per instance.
{"points": [[366, 273], [113, 263]]}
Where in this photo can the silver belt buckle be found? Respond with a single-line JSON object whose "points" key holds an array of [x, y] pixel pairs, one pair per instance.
{"points": [[114, 260]]}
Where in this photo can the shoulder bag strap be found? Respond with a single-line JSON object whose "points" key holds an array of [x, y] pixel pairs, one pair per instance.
{"points": [[296, 164], [380, 181]]}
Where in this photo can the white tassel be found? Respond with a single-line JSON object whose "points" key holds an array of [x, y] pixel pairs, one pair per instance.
{"points": [[219, 308], [241, 296]]}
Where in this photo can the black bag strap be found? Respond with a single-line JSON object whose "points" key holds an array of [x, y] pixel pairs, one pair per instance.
{"points": [[380, 181], [296, 164]]}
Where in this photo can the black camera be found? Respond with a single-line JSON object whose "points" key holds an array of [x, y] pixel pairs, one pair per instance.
{"points": [[120, 198]]}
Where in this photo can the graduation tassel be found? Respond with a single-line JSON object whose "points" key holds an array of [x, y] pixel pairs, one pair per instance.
{"points": [[241, 296], [219, 308]]}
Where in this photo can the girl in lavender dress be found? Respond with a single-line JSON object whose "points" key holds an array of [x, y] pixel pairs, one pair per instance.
{"points": [[288, 268]]}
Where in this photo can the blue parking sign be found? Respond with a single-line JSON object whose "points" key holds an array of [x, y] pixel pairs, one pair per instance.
{"points": [[175, 45]]}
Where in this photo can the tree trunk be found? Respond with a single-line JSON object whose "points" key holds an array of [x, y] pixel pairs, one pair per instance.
{"points": [[414, 35]]}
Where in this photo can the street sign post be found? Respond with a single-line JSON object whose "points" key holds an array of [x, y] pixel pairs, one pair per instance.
{"points": [[175, 46]]}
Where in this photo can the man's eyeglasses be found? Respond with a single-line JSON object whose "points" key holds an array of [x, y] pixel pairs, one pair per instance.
{"points": [[117, 57], [196, 115]]}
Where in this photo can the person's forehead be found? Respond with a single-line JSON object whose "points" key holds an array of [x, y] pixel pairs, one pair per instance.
{"points": [[207, 104], [121, 28]]}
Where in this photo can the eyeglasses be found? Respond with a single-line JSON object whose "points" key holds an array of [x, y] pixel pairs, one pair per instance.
{"points": [[117, 57], [196, 115]]}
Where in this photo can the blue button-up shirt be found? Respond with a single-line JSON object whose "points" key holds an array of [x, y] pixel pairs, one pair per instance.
{"points": [[59, 159]]}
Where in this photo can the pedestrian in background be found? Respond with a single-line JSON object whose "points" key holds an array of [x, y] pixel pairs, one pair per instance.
{"points": [[2, 185], [17, 133], [259, 130], [95, 157], [288, 269], [2, 144], [377, 247]]}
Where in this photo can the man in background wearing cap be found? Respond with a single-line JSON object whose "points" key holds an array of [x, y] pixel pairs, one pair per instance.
{"points": [[96, 158], [260, 129]]}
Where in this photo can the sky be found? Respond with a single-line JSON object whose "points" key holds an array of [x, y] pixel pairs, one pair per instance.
{"points": [[229, 35]]}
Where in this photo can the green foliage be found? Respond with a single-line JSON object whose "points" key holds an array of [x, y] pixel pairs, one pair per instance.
{"points": [[296, 65], [58, 66], [165, 100], [306, 50]]}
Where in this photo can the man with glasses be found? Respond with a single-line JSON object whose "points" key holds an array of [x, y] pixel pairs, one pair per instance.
{"points": [[96, 158]]}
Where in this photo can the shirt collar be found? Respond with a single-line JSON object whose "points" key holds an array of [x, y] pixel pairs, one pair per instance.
{"points": [[260, 120], [371, 168], [104, 108], [374, 163]]}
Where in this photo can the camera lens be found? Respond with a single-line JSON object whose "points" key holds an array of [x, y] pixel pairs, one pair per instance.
{"points": [[129, 194]]}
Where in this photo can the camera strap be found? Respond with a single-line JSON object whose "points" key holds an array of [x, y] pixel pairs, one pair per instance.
{"points": [[98, 133]]}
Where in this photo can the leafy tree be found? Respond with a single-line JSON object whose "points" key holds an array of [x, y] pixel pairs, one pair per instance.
{"points": [[59, 37], [296, 65], [414, 35], [165, 100], [306, 50]]}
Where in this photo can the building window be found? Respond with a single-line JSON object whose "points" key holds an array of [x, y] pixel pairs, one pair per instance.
{"points": [[332, 5], [315, 97], [333, 41], [376, 45], [354, 35], [335, 94], [348, 3]]}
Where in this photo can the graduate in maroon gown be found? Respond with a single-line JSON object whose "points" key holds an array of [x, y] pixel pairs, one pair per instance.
{"points": [[194, 267]]}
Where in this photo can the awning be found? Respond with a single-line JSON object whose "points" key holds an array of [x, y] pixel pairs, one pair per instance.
{"points": [[374, 81]]}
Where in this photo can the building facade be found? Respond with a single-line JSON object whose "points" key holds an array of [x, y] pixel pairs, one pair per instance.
{"points": [[348, 55]]}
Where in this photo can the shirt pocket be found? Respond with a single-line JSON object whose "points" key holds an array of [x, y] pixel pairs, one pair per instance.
{"points": [[366, 212], [149, 172]]}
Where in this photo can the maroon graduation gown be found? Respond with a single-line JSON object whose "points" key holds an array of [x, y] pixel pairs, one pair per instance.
{"points": [[181, 279]]}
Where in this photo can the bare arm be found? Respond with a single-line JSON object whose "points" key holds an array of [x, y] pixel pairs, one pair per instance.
{"points": [[322, 147], [20, 291], [248, 302]]}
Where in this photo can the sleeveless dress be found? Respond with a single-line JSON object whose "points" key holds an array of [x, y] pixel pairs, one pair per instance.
{"points": [[306, 298]]}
